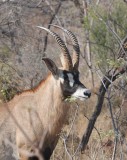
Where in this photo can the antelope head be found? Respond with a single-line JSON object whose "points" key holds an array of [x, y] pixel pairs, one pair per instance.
{"points": [[68, 76]]}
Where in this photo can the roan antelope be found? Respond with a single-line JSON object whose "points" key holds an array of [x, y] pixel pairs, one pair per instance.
{"points": [[28, 115]]}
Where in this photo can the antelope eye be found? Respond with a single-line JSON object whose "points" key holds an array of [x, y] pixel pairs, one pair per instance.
{"points": [[66, 81]]}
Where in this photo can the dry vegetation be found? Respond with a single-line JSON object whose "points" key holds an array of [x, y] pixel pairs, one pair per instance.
{"points": [[22, 47]]}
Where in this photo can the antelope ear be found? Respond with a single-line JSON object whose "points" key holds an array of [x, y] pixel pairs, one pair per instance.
{"points": [[51, 66]]}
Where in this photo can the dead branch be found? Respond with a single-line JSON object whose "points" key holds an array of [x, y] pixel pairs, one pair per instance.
{"points": [[110, 76], [50, 22]]}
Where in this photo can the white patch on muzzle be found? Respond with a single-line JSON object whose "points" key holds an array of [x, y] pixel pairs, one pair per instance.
{"points": [[82, 93]]}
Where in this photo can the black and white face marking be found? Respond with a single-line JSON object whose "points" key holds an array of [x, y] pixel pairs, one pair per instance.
{"points": [[71, 86], [71, 79]]}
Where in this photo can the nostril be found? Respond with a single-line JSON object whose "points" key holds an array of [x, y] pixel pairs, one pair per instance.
{"points": [[87, 93]]}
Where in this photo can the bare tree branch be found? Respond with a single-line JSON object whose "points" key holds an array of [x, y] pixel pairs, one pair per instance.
{"points": [[107, 80], [50, 22]]}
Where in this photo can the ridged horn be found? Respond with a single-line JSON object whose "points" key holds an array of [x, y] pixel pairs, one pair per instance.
{"points": [[67, 65], [76, 49]]}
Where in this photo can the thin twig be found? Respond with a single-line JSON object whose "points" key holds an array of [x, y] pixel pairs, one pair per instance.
{"points": [[17, 124], [103, 88], [50, 22], [75, 115]]}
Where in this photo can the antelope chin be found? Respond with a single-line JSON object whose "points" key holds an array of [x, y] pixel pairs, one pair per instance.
{"points": [[80, 98], [83, 98]]}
